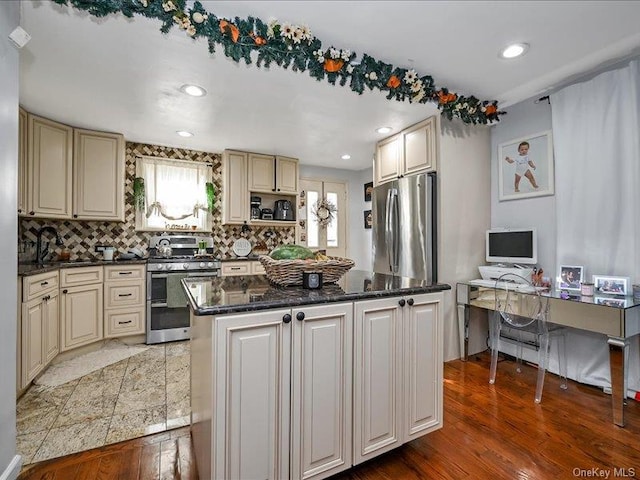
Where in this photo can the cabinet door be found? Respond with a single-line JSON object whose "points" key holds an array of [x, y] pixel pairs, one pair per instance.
{"points": [[98, 176], [49, 153], [252, 375], [51, 328], [387, 162], [423, 359], [377, 389], [321, 390], [81, 316], [22, 163], [235, 207], [420, 147], [261, 173], [33, 361], [287, 175]]}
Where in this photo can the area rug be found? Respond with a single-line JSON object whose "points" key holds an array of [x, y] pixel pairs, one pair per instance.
{"points": [[111, 352]]}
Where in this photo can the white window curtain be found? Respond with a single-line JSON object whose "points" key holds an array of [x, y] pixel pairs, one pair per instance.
{"points": [[597, 157], [175, 193]]}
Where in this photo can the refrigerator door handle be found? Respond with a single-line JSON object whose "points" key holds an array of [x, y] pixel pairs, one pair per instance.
{"points": [[387, 230], [395, 234]]}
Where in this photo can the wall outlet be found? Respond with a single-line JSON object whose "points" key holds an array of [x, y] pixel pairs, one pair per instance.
{"points": [[100, 248]]}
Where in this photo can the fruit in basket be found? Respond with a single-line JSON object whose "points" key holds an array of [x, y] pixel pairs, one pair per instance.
{"points": [[292, 252], [321, 256]]}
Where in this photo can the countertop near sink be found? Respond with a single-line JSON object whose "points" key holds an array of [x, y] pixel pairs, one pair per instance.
{"points": [[26, 269], [207, 295]]}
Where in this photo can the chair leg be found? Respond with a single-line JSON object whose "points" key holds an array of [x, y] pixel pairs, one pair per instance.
{"points": [[519, 353], [562, 361], [543, 355], [494, 338]]}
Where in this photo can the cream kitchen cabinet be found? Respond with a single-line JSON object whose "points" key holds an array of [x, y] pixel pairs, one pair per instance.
{"points": [[275, 372], [411, 151], [269, 174], [98, 176], [242, 267], [398, 362], [22, 163], [81, 306], [235, 194], [49, 168], [39, 325], [124, 300]]}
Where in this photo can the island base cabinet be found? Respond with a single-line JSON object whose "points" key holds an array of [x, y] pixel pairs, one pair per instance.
{"points": [[251, 400], [321, 390], [397, 372]]}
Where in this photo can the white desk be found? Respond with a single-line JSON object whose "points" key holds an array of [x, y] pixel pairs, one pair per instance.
{"points": [[616, 317]]}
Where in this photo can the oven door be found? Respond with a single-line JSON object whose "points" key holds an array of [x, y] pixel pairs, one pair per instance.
{"points": [[168, 317]]}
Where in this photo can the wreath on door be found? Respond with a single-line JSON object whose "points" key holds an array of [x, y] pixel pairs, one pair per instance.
{"points": [[324, 211]]}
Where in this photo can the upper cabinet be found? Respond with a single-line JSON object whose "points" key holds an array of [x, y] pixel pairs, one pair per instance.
{"points": [[70, 173], [269, 174], [411, 151], [235, 206], [22, 163], [98, 175], [49, 153]]}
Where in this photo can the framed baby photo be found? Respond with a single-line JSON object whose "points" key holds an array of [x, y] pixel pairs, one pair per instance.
{"points": [[368, 190], [525, 167], [611, 285], [368, 219], [570, 277]]}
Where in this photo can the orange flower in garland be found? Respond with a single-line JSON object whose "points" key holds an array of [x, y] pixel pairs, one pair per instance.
{"points": [[258, 40], [226, 27], [394, 82], [331, 65], [490, 110], [446, 97]]}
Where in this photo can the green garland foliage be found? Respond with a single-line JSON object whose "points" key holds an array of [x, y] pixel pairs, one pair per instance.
{"points": [[293, 46], [139, 199], [211, 196]]}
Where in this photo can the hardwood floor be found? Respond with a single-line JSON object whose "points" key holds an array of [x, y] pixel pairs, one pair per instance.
{"points": [[490, 432]]}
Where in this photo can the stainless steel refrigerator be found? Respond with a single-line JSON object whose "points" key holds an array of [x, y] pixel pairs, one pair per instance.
{"points": [[404, 227]]}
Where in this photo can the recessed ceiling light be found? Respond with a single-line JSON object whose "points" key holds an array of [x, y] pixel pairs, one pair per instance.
{"points": [[193, 90], [184, 133], [346, 156], [383, 130], [514, 50]]}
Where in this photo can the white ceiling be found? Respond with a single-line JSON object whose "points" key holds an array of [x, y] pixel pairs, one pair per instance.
{"points": [[123, 75]]}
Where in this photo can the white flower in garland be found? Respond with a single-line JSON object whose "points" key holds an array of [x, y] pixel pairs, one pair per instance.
{"points": [[371, 75], [145, 3], [350, 68], [306, 33], [411, 76], [286, 31], [416, 86], [345, 55], [270, 27], [418, 96], [168, 6], [198, 17], [334, 53], [297, 35], [191, 30]]}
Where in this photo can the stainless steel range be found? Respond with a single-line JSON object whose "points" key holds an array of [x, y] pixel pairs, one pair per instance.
{"points": [[172, 258]]}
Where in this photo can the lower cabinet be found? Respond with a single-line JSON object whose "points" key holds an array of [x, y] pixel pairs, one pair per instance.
{"points": [[39, 335], [81, 314], [308, 392], [124, 300]]}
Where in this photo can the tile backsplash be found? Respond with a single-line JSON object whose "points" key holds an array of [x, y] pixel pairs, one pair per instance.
{"points": [[81, 237]]}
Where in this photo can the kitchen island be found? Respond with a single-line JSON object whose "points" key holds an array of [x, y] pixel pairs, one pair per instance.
{"points": [[290, 383]]}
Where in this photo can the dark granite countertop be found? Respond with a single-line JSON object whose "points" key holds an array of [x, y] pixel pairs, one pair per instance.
{"points": [[210, 296], [26, 269]]}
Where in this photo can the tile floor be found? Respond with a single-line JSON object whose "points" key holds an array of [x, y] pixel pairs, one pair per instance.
{"points": [[143, 394]]}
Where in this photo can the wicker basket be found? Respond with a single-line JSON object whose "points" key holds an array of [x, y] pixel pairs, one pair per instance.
{"points": [[289, 272]]}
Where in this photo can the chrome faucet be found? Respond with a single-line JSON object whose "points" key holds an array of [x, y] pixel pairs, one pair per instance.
{"points": [[39, 253]]}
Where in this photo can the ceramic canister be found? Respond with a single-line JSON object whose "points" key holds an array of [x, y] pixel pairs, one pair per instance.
{"points": [[586, 289]]}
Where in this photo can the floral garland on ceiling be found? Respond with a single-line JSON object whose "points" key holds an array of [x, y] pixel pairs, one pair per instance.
{"points": [[294, 46]]}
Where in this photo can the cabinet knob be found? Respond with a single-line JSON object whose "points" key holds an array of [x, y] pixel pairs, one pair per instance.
{"points": [[32, 212], [273, 189], [65, 291], [401, 302], [19, 210], [410, 301], [278, 189], [286, 318], [300, 316], [75, 215]]}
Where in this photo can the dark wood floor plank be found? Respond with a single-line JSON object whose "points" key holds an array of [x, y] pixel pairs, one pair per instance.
{"points": [[169, 460], [187, 464], [150, 462], [130, 464]]}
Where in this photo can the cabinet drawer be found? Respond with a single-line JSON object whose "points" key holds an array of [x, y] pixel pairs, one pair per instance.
{"points": [[118, 295], [236, 268], [257, 268], [71, 277], [124, 321], [124, 272], [36, 285]]}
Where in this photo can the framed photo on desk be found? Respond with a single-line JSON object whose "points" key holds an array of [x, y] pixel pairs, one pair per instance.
{"points": [[611, 285], [570, 277]]}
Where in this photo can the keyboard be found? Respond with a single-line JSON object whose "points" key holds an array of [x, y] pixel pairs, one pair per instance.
{"points": [[520, 287]]}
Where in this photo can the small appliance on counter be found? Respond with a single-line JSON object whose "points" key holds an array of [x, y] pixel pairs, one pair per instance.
{"points": [[255, 207], [266, 214], [283, 210]]}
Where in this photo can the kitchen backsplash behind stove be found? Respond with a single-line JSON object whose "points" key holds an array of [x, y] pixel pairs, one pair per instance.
{"points": [[81, 237]]}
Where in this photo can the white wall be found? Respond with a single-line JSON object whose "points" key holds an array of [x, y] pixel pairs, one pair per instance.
{"points": [[521, 120], [9, 19], [358, 238]]}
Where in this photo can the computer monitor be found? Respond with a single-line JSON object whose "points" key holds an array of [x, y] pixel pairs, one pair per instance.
{"points": [[519, 246]]}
